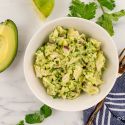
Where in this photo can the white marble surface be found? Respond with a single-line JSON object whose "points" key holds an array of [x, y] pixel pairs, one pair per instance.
{"points": [[15, 97]]}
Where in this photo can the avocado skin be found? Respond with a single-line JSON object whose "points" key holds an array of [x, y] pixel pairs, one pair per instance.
{"points": [[11, 24]]}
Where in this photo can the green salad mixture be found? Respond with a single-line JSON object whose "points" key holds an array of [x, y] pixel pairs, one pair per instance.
{"points": [[70, 63]]}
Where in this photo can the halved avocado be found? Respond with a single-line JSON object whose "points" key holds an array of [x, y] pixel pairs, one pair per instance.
{"points": [[8, 43]]}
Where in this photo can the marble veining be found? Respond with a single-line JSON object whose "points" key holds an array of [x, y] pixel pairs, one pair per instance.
{"points": [[15, 97]]}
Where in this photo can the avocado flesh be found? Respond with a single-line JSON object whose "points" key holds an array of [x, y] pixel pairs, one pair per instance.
{"points": [[8, 43]]}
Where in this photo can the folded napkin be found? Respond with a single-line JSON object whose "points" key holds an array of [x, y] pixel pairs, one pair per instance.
{"points": [[113, 110]]}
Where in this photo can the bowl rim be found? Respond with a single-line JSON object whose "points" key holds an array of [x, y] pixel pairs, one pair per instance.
{"points": [[34, 36]]}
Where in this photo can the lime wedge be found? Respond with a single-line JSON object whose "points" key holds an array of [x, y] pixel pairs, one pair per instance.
{"points": [[44, 7]]}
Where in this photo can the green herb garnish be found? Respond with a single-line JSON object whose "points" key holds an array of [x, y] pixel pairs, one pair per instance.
{"points": [[109, 4], [88, 11], [37, 117], [21, 122], [34, 118], [106, 20], [80, 9], [115, 16], [46, 111]]}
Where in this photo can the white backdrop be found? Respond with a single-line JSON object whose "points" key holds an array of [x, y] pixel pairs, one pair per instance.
{"points": [[15, 97]]}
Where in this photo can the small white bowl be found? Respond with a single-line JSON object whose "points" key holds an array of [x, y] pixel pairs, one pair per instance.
{"points": [[84, 101]]}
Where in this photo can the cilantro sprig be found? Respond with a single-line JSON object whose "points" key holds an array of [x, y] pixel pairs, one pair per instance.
{"points": [[37, 117], [80, 9], [88, 11], [106, 20], [20, 122], [109, 4], [46, 111], [34, 118]]}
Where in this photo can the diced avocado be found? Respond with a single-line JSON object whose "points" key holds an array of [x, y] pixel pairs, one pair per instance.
{"points": [[100, 61], [8, 43], [77, 72], [44, 7], [70, 63]]}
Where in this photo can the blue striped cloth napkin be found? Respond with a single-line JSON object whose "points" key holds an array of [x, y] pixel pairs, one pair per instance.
{"points": [[113, 110]]}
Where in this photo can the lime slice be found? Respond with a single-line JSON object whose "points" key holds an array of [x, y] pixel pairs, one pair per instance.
{"points": [[44, 7]]}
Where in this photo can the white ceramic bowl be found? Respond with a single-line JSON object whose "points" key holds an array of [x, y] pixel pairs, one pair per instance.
{"points": [[84, 101]]}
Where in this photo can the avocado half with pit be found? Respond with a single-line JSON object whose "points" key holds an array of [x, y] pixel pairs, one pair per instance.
{"points": [[8, 43]]}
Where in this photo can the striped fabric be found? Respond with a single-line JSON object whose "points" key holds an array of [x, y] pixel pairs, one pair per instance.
{"points": [[113, 111]]}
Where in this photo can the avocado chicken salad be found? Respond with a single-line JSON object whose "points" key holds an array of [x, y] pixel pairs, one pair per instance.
{"points": [[70, 63]]}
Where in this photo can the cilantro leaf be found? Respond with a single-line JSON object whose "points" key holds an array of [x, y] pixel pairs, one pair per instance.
{"points": [[34, 118], [115, 16], [106, 22], [109, 4], [21, 123], [82, 10], [37, 117], [46, 111]]}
